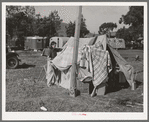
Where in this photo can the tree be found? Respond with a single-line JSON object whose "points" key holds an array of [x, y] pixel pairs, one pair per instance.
{"points": [[22, 21], [48, 26], [52, 24], [134, 18], [125, 34], [83, 28], [105, 28], [70, 29], [19, 20], [12, 10]]}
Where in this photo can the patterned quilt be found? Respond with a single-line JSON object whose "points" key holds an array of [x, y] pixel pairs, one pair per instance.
{"points": [[100, 63]]}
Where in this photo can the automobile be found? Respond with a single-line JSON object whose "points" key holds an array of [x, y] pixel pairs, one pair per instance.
{"points": [[12, 59]]}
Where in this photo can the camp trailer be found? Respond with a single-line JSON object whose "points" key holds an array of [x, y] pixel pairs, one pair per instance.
{"points": [[60, 41], [116, 43], [35, 43]]}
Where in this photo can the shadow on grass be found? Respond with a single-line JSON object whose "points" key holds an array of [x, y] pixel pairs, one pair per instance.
{"points": [[117, 87], [24, 65], [112, 89], [121, 86]]}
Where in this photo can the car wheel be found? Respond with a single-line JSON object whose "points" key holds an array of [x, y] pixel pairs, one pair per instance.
{"points": [[12, 62]]}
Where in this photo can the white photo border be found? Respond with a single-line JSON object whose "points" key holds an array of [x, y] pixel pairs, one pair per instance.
{"points": [[70, 115]]}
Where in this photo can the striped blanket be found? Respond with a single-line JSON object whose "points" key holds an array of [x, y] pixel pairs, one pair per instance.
{"points": [[100, 63]]}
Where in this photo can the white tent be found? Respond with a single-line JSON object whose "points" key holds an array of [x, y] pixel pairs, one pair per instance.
{"points": [[98, 57]]}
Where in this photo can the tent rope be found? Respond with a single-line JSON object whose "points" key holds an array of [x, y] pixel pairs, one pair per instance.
{"points": [[43, 68]]}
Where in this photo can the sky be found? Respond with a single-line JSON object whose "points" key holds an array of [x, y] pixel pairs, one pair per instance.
{"points": [[94, 15]]}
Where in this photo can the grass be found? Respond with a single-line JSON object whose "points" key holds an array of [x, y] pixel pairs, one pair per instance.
{"points": [[26, 90]]}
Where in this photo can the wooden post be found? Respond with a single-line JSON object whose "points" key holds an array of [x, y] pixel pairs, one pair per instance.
{"points": [[73, 88]]}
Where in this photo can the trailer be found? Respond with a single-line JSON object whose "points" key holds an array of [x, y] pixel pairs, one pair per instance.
{"points": [[35, 43], [60, 41], [116, 43]]}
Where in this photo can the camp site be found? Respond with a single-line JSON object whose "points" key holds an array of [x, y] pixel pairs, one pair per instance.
{"points": [[93, 71]]}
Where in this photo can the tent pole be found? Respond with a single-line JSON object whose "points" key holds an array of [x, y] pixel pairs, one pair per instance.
{"points": [[73, 88]]}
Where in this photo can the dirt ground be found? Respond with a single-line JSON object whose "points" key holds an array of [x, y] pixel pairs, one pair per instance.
{"points": [[26, 89]]}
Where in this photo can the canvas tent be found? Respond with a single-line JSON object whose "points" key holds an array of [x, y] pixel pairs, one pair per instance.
{"points": [[116, 43], [96, 60]]}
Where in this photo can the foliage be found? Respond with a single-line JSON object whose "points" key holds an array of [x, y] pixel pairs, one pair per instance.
{"points": [[107, 27], [12, 10], [21, 21], [70, 29], [48, 26], [125, 34], [134, 18]]}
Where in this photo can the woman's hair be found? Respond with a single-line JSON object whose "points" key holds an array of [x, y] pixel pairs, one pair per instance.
{"points": [[52, 43]]}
